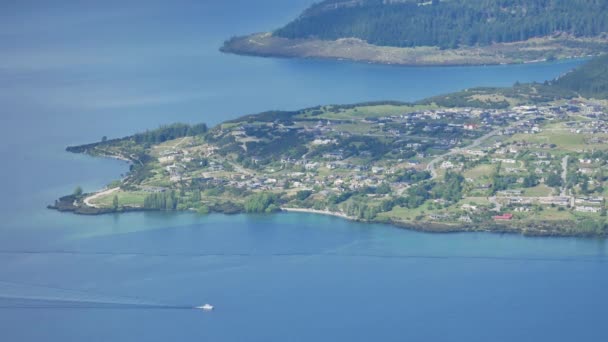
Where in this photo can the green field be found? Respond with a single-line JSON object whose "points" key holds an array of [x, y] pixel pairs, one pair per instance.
{"points": [[540, 190], [130, 199], [484, 170], [361, 112], [556, 134]]}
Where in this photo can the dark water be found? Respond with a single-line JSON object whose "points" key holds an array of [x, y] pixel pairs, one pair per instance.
{"points": [[71, 72]]}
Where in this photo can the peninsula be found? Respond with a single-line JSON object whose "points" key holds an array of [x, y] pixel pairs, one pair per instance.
{"points": [[438, 32], [530, 159]]}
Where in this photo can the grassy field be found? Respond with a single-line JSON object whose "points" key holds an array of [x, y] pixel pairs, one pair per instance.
{"points": [[493, 98], [480, 171], [405, 214], [132, 199], [474, 201], [561, 136], [361, 112], [540, 190], [550, 214]]}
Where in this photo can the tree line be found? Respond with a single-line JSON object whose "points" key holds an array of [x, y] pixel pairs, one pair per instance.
{"points": [[161, 201], [155, 136]]}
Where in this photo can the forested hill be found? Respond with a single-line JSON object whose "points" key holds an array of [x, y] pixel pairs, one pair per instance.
{"points": [[589, 80], [448, 23]]}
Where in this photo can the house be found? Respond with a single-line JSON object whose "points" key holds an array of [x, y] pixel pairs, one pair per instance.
{"points": [[476, 153], [555, 200], [439, 217], [503, 217], [469, 207], [311, 166], [584, 209], [506, 161], [447, 165], [166, 159], [334, 155]]}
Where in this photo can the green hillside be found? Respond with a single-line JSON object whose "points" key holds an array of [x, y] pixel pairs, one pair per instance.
{"points": [[590, 80], [448, 23]]}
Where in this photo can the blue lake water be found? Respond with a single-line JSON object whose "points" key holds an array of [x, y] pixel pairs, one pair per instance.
{"points": [[71, 73]]}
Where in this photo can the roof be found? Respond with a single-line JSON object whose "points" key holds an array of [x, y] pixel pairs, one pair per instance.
{"points": [[504, 217]]}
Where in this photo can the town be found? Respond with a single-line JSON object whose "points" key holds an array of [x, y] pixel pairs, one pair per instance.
{"points": [[385, 162]]}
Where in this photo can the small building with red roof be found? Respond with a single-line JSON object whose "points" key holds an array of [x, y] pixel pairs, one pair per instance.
{"points": [[503, 217]]}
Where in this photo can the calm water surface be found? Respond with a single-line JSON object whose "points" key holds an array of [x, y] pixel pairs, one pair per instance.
{"points": [[71, 73]]}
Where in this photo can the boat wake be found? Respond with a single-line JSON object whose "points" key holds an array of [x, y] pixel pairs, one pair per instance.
{"points": [[14, 295]]}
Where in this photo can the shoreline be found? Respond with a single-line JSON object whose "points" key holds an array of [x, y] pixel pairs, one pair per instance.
{"points": [[358, 51], [319, 212], [70, 204]]}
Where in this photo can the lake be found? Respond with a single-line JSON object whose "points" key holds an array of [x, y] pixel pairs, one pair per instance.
{"points": [[71, 73]]}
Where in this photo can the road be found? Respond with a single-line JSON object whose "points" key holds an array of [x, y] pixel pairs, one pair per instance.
{"points": [[564, 174], [431, 167], [87, 201]]}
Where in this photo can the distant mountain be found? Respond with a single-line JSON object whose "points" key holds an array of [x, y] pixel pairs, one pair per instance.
{"points": [[448, 23], [589, 80]]}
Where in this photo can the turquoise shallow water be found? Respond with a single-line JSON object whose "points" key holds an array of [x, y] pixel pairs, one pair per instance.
{"points": [[82, 72]]}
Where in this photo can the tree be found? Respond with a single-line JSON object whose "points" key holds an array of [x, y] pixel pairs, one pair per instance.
{"points": [[530, 181], [78, 191], [196, 195], [599, 175], [584, 183], [554, 180], [451, 187], [383, 189], [115, 202], [262, 203], [417, 195], [590, 226], [161, 201], [303, 194], [104, 139]]}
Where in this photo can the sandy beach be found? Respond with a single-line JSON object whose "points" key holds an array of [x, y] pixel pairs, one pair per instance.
{"points": [[314, 211]]}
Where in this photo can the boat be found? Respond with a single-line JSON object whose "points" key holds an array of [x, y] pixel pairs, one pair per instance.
{"points": [[206, 307]]}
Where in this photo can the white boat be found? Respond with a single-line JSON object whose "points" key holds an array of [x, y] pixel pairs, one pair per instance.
{"points": [[206, 307]]}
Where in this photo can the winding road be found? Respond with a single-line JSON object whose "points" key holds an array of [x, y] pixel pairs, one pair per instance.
{"points": [[431, 167], [87, 201]]}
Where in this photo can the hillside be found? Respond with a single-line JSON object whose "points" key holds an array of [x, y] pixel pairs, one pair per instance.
{"points": [[448, 24], [446, 32], [590, 80]]}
